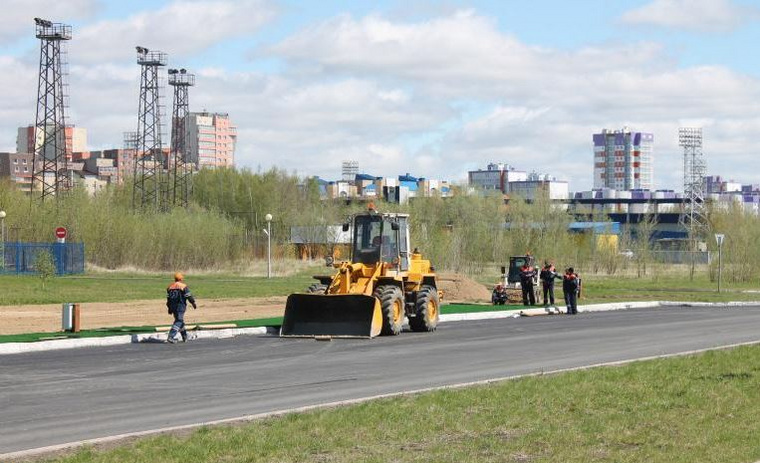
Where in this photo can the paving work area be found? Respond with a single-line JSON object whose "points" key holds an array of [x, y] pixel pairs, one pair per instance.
{"points": [[46, 318]]}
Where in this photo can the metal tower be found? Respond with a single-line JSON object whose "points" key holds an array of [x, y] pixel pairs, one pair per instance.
{"points": [[690, 139], [50, 174], [151, 188], [182, 167], [693, 218]]}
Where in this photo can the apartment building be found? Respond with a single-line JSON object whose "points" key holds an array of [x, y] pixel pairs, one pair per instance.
{"points": [[623, 160], [18, 168], [211, 140], [76, 138]]}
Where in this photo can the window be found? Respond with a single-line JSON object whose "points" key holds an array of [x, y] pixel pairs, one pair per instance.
{"points": [[15, 160], [24, 161]]}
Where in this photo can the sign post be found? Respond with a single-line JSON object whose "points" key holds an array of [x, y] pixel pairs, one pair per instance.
{"points": [[60, 234], [719, 239]]}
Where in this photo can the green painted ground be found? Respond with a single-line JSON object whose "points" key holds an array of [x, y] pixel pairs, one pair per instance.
{"points": [[275, 321]]}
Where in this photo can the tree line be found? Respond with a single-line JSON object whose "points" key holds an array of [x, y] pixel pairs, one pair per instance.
{"points": [[223, 227]]}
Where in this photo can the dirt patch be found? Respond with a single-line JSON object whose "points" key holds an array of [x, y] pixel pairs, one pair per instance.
{"points": [[47, 318], [459, 288]]}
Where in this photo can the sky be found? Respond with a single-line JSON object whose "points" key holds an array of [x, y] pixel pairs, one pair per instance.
{"points": [[430, 88]]}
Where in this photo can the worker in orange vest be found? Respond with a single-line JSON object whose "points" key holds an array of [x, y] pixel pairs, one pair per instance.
{"points": [[571, 286], [548, 275], [527, 283], [177, 296]]}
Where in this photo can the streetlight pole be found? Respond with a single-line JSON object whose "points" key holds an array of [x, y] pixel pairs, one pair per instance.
{"points": [[2, 242], [2, 224], [268, 231], [719, 238]]}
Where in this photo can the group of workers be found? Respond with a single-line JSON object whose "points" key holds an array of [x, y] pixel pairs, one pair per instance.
{"points": [[571, 285]]}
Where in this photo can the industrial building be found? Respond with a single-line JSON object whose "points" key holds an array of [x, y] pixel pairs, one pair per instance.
{"points": [[496, 177], [505, 179], [623, 160], [392, 189]]}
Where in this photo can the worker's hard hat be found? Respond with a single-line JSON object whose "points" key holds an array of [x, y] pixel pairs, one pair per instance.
{"points": [[178, 277]]}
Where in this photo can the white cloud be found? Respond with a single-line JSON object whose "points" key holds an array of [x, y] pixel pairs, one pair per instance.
{"points": [[17, 19], [546, 103], [181, 28], [695, 15], [434, 98]]}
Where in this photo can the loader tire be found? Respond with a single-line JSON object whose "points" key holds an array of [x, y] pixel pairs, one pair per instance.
{"points": [[392, 307], [317, 288], [428, 309]]}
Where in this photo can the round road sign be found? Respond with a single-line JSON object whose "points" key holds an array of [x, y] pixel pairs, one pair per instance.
{"points": [[60, 233]]}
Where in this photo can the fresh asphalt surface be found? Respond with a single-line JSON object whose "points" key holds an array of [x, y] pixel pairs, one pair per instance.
{"points": [[62, 396]]}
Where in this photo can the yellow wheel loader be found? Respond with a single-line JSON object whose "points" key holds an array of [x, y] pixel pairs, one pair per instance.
{"points": [[384, 282]]}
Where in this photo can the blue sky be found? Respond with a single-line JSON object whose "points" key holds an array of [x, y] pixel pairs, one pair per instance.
{"points": [[430, 88]]}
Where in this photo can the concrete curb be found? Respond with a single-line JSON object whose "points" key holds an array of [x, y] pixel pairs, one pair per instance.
{"points": [[24, 347]]}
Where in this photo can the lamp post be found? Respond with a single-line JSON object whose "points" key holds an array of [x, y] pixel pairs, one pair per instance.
{"points": [[2, 224], [268, 232], [2, 239], [719, 239]]}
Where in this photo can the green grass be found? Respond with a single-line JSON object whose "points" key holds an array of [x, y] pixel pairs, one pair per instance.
{"points": [[118, 287], [697, 408], [663, 285]]}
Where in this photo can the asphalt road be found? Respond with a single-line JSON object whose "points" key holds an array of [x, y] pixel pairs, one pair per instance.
{"points": [[56, 397]]}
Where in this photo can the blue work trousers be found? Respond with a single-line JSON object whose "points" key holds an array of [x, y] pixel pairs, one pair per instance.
{"points": [[571, 301], [179, 322]]}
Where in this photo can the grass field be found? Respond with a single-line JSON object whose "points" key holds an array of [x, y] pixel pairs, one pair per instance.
{"points": [[664, 284], [697, 408], [120, 287]]}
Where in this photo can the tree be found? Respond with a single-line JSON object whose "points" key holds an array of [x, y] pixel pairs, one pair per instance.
{"points": [[44, 264]]}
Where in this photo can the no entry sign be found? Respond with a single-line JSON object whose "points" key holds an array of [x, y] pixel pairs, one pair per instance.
{"points": [[60, 233]]}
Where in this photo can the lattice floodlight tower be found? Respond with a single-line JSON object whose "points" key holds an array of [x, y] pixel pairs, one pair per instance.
{"points": [[151, 187], [50, 174], [182, 166], [694, 217]]}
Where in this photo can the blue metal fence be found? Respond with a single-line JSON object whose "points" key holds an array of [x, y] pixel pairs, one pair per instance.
{"points": [[19, 258]]}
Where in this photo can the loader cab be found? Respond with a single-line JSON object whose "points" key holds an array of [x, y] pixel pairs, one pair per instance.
{"points": [[381, 238], [515, 265]]}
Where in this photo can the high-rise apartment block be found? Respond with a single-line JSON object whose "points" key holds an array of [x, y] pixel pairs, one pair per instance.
{"points": [[211, 140], [623, 160], [76, 138]]}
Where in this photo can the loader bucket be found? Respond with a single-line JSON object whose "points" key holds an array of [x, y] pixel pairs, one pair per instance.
{"points": [[333, 315]]}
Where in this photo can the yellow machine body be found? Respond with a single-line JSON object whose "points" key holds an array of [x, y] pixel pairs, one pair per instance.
{"points": [[371, 294]]}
